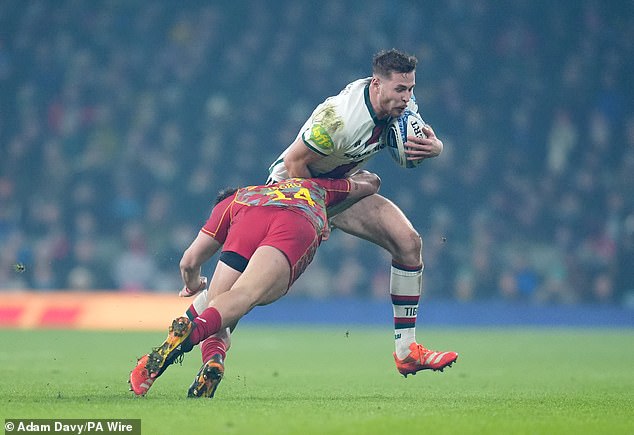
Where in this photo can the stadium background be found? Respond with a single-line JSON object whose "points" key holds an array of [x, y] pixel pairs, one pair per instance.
{"points": [[119, 121]]}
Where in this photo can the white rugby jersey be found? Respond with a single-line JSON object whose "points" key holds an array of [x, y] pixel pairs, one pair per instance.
{"points": [[344, 130]]}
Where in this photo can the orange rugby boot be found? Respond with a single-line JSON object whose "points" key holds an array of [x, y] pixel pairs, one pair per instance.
{"points": [[420, 358], [208, 378], [173, 348], [140, 380]]}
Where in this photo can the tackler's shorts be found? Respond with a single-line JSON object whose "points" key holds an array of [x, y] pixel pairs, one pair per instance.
{"points": [[281, 228]]}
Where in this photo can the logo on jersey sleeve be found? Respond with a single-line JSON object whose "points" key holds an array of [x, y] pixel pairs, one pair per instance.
{"points": [[320, 137], [326, 122]]}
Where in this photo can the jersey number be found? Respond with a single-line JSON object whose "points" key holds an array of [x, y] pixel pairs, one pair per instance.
{"points": [[302, 193]]}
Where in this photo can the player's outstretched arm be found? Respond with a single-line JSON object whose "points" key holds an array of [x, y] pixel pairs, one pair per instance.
{"points": [[362, 184], [201, 249]]}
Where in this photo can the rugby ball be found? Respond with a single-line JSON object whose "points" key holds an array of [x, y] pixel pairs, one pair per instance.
{"points": [[408, 124]]}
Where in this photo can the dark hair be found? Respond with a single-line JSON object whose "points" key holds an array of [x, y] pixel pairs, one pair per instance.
{"points": [[225, 193], [385, 62]]}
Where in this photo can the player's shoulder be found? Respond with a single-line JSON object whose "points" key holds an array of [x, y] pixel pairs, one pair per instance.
{"points": [[358, 85], [353, 90], [346, 104]]}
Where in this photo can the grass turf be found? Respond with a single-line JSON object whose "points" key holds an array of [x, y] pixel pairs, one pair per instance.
{"points": [[335, 380]]}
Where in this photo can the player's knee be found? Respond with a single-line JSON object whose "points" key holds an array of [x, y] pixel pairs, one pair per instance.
{"points": [[409, 248]]}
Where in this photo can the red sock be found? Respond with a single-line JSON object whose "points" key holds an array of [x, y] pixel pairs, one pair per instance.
{"points": [[207, 323], [212, 346]]}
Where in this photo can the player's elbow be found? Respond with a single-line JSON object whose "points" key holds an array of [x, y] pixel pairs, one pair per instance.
{"points": [[188, 263], [296, 167], [289, 164]]}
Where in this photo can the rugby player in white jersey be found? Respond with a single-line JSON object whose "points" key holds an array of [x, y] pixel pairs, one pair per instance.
{"points": [[340, 136]]}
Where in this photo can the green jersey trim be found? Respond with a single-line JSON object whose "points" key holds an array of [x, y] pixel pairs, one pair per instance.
{"points": [[312, 148]]}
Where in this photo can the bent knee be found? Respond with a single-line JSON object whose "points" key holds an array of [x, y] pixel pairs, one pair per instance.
{"points": [[408, 248]]}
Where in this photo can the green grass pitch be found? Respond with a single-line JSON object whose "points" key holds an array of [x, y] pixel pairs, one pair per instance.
{"points": [[335, 380]]}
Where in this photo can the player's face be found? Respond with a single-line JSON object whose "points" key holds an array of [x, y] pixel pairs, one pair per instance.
{"points": [[394, 92]]}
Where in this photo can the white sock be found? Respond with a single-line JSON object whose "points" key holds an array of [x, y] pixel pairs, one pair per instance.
{"points": [[200, 302], [405, 289]]}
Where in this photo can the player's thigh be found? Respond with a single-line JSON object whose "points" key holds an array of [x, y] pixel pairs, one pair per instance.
{"points": [[223, 279], [246, 233], [378, 220], [265, 278]]}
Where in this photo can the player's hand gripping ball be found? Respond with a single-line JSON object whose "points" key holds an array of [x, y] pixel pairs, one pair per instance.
{"points": [[408, 124]]}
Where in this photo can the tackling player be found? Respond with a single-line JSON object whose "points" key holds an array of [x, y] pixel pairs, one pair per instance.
{"points": [[269, 235]]}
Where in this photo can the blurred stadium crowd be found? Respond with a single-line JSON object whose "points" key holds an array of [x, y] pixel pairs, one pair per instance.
{"points": [[121, 119]]}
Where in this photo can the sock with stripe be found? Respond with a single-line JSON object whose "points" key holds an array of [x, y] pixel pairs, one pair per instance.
{"points": [[206, 324], [191, 312], [198, 306], [213, 346], [405, 289]]}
